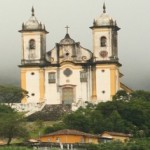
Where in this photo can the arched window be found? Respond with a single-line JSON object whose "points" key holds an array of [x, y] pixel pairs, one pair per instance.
{"points": [[32, 44], [103, 41]]}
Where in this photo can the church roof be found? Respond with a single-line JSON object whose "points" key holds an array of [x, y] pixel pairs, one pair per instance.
{"points": [[33, 24], [67, 40], [104, 19]]}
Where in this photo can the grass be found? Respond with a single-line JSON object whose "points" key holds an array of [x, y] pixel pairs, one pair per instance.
{"points": [[14, 148], [19, 148], [37, 127]]}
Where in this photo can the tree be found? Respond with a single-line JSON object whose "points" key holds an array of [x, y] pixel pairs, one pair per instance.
{"points": [[11, 123], [121, 95], [11, 94], [55, 127], [78, 120], [141, 95]]}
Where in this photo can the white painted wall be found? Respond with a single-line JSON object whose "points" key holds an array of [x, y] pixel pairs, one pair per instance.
{"points": [[32, 86], [103, 84], [53, 91], [117, 81]]}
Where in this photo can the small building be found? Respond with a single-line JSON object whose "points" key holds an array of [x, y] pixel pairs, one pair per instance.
{"points": [[68, 136], [114, 136]]}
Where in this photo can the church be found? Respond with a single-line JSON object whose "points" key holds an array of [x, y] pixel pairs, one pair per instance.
{"points": [[69, 73]]}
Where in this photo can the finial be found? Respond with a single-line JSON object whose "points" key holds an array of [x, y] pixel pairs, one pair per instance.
{"points": [[32, 11], [94, 22], [104, 8], [67, 28], [23, 25]]}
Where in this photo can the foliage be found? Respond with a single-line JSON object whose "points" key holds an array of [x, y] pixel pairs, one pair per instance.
{"points": [[55, 127], [14, 148], [79, 120], [92, 147], [138, 144], [130, 115], [141, 95], [11, 124], [121, 95], [11, 94]]}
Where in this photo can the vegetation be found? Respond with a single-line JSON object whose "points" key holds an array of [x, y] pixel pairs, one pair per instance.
{"points": [[11, 94], [137, 144], [50, 113], [11, 124], [11, 121], [126, 113], [14, 148]]}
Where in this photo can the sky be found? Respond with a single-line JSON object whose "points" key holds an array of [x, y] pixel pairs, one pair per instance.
{"points": [[132, 16]]}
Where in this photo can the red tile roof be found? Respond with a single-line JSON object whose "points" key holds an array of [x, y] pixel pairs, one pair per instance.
{"points": [[117, 134], [71, 132]]}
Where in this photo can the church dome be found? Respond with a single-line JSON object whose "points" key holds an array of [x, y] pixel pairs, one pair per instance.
{"points": [[104, 19], [33, 24], [67, 40]]}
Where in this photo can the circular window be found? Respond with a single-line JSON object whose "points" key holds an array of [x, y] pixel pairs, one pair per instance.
{"points": [[67, 72], [32, 73], [32, 94], [103, 54], [67, 54]]}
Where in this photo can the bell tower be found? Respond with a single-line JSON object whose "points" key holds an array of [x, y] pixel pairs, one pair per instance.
{"points": [[33, 41], [33, 59], [105, 37], [105, 74]]}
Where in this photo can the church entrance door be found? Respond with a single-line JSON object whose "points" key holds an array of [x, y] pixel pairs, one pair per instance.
{"points": [[67, 95]]}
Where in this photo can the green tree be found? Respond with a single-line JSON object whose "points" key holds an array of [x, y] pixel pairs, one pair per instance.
{"points": [[79, 120], [11, 94], [12, 124], [141, 95], [121, 95], [116, 121]]}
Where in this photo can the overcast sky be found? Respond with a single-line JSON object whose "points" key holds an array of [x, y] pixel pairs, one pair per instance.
{"points": [[133, 17]]}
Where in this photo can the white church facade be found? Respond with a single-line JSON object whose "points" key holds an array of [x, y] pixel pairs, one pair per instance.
{"points": [[70, 73]]}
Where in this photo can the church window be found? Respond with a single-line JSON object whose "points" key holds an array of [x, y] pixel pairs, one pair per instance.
{"points": [[83, 76], [67, 54], [67, 72], [32, 73], [33, 94], [32, 44], [51, 77], [103, 41], [103, 92]]}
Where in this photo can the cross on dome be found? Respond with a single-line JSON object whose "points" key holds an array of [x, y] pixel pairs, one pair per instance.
{"points": [[32, 11], [67, 28]]}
